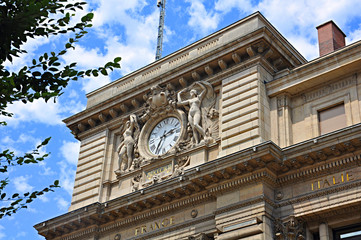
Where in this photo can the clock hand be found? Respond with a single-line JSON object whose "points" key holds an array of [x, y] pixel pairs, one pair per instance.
{"points": [[161, 139], [157, 149], [169, 132]]}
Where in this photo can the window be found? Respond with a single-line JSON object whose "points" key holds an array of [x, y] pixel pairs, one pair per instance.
{"points": [[348, 233], [332, 119]]}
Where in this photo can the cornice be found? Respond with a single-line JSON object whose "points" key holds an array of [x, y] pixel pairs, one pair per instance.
{"points": [[260, 46], [322, 169], [265, 163], [213, 37], [317, 194], [314, 72], [203, 219]]}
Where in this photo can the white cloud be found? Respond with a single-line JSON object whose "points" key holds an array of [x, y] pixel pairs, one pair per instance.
{"points": [[225, 6], [70, 151], [202, 20], [24, 140], [136, 45], [21, 234], [111, 11], [43, 198], [2, 234], [39, 111], [354, 36], [62, 204], [298, 20], [67, 176], [21, 184], [31, 46], [45, 170]]}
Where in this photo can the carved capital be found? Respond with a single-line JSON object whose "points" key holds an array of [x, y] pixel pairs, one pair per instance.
{"points": [[283, 101], [291, 229], [201, 236]]}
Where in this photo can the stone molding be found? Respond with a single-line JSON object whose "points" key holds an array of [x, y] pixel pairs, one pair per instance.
{"points": [[265, 176], [320, 170], [89, 116], [245, 203], [177, 226], [320, 193], [329, 88], [232, 172]]}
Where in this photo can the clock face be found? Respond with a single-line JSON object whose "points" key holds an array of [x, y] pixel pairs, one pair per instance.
{"points": [[164, 135]]}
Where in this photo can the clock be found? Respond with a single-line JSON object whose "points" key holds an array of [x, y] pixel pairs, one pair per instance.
{"points": [[164, 135], [161, 133]]}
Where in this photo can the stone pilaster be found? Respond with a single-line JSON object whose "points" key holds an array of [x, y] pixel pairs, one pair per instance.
{"points": [[245, 110], [87, 184]]}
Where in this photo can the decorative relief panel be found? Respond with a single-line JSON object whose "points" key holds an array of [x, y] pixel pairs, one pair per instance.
{"points": [[293, 229], [168, 123], [201, 236]]}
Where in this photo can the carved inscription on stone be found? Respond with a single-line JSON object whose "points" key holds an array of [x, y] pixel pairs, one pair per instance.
{"points": [[150, 227], [161, 171], [332, 180]]}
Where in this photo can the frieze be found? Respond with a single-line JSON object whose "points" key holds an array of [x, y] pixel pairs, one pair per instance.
{"points": [[252, 178], [317, 194], [178, 60], [208, 45], [183, 225], [329, 89], [191, 201], [333, 212], [88, 232], [316, 171], [332, 180], [155, 225], [123, 85], [245, 203], [151, 72]]}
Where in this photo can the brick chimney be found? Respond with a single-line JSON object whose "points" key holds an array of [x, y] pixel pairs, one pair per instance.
{"points": [[330, 37]]}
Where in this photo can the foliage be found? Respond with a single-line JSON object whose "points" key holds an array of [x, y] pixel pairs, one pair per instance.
{"points": [[46, 76], [17, 201]]}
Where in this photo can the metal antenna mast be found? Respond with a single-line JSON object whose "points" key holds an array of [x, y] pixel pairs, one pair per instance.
{"points": [[161, 5]]}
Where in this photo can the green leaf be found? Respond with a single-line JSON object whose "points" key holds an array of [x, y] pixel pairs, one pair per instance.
{"points": [[104, 72], [36, 74]]}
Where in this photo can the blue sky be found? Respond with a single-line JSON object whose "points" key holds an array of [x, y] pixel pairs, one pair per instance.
{"points": [[128, 28]]}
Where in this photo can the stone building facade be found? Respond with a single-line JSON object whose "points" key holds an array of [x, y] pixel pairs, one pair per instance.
{"points": [[235, 136]]}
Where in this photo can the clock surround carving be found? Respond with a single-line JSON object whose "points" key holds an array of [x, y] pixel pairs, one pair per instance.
{"points": [[195, 109]]}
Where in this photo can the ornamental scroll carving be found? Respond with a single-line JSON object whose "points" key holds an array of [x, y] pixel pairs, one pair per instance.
{"points": [[293, 229], [191, 110]]}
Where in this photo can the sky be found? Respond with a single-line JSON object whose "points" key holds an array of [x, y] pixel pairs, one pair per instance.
{"points": [[128, 28]]}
